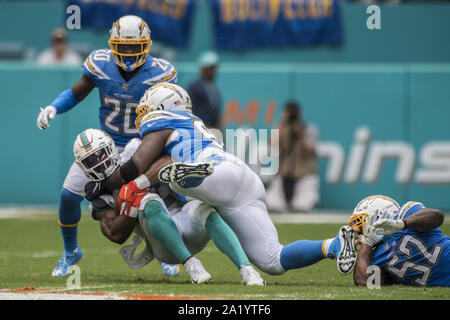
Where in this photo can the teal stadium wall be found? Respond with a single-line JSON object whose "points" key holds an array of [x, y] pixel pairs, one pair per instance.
{"points": [[393, 81]]}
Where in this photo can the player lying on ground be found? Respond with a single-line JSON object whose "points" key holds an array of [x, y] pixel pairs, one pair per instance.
{"points": [[121, 75], [173, 230], [405, 243], [168, 127]]}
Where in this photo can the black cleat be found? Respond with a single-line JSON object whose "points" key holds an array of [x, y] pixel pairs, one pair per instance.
{"points": [[346, 258], [177, 171]]}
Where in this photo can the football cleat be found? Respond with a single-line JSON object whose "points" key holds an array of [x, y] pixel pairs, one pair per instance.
{"points": [[171, 270], [196, 271], [177, 171], [346, 257], [251, 277], [66, 262]]}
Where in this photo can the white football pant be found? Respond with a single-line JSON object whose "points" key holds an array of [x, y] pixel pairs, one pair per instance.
{"points": [[237, 193]]}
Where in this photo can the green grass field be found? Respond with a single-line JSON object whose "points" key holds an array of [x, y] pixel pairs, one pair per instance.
{"points": [[30, 248]]}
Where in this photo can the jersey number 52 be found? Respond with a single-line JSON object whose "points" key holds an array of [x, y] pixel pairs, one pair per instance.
{"points": [[404, 248]]}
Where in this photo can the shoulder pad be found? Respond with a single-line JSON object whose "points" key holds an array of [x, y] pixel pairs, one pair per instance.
{"points": [[409, 208], [162, 71], [95, 63], [159, 115]]}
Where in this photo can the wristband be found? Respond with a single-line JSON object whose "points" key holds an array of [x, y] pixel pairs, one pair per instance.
{"points": [[129, 171], [142, 182]]}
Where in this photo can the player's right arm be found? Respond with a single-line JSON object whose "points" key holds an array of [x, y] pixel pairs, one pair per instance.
{"points": [[146, 154], [65, 101], [422, 220]]}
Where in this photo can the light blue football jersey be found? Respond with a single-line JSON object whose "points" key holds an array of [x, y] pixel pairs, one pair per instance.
{"points": [[190, 136], [415, 258], [119, 97]]}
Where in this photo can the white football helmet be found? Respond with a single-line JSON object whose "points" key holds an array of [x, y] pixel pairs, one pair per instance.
{"points": [[369, 206], [130, 42], [95, 152], [163, 96]]}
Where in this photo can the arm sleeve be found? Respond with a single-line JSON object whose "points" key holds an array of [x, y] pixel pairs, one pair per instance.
{"points": [[65, 101]]}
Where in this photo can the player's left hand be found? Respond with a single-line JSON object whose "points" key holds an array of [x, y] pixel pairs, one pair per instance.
{"points": [[94, 189], [129, 199], [388, 226]]}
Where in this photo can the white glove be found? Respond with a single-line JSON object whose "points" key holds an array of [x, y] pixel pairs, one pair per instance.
{"points": [[370, 237], [49, 113], [388, 226]]}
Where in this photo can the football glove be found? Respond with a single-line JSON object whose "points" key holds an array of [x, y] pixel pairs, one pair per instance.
{"points": [[371, 236], [388, 226], [49, 113], [129, 199], [94, 189]]}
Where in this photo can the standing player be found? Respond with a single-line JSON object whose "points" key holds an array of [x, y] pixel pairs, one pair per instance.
{"points": [[233, 188], [121, 74], [408, 246]]}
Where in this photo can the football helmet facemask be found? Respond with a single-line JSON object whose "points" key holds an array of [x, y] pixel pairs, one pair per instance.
{"points": [[163, 96], [130, 42], [376, 204], [95, 152]]}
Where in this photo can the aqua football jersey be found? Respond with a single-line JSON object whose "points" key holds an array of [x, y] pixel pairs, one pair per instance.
{"points": [[119, 97], [189, 138], [415, 258]]}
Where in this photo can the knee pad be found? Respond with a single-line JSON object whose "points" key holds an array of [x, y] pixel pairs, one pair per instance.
{"points": [[149, 198], [154, 210], [269, 261], [199, 212]]}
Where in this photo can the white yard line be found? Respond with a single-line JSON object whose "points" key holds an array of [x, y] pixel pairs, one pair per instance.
{"points": [[57, 296]]}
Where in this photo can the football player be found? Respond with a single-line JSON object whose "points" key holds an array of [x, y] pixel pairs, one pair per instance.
{"points": [[121, 74], [174, 230], [168, 127], [405, 243]]}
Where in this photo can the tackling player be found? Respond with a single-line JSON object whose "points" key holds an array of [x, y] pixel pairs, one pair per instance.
{"points": [[168, 127], [406, 244], [174, 231], [121, 74]]}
